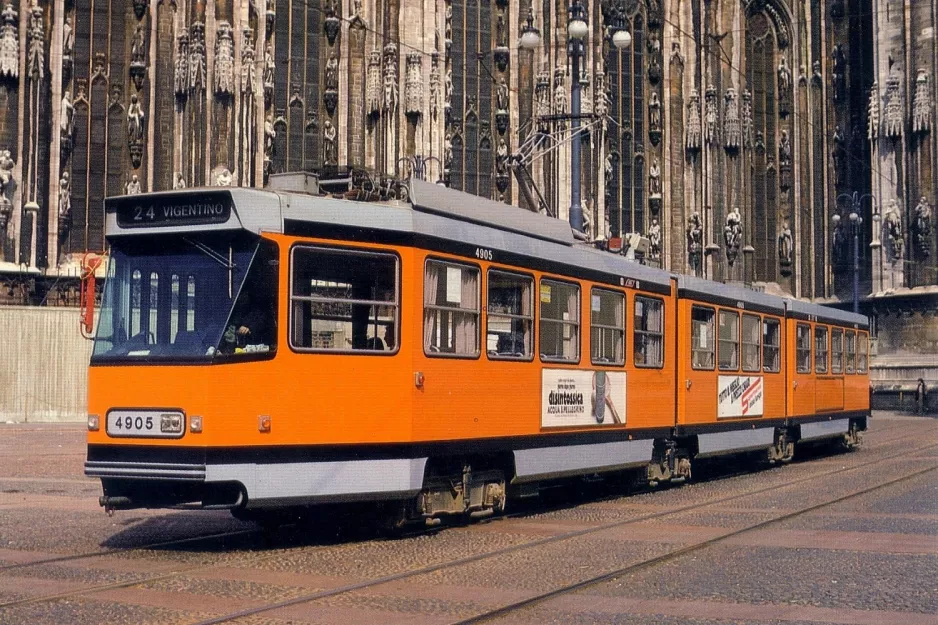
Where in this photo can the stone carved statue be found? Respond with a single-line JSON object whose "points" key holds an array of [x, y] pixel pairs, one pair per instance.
{"points": [[68, 41], [181, 66], [138, 46], [65, 198], [601, 106], [132, 187], [839, 72], [560, 92], [330, 144], [923, 228], [357, 11], [332, 72], [894, 108], [179, 182], [67, 120], [373, 84], [223, 177], [654, 179], [872, 120], [784, 88], [224, 60], [35, 65], [6, 174], [838, 154], [733, 235], [269, 68], [695, 242], [135, 117], [542, 97], [712, 115], [839, 243], [654, 240], [391, 97], [197, 57], [922, 105], [731, 125], [784, 161], [9, 41], [248, 71], [654, 113], [693, 138], [435, 84], [785, 246], [501, 95], [745, 119], [413, 84], [892, 229], [816, 77], [270, 133]]}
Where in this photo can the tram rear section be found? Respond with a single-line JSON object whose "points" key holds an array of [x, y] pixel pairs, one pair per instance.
{"points": [[440, 357]]}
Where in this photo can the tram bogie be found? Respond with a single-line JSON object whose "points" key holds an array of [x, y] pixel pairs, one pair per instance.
{"points": [[273, 351]]}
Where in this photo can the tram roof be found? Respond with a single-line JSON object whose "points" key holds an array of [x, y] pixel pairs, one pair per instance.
{"points": [[806, 310], [729, 295]]}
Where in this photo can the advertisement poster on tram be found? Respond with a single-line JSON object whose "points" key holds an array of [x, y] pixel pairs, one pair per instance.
{"points": [[581, 398], [739, 396]]}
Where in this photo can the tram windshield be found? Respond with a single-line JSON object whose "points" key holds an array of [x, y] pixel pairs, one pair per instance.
{"points": [[192, 298]]}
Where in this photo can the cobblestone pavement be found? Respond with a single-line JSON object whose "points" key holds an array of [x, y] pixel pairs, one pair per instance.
{"points": [[795, 544]]}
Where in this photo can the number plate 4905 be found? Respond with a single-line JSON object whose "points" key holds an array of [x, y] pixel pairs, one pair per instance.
{"points": [[145, 423]]}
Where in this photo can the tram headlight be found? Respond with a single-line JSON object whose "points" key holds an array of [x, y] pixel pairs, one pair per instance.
{"points": [[94, 423], [171, 423], [195, 424]]}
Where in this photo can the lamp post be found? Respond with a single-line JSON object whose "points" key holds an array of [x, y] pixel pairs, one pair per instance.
{"points": [[855, 222]]}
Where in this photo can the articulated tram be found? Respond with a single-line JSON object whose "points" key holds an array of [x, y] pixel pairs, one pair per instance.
{"points": [[260, 350]]}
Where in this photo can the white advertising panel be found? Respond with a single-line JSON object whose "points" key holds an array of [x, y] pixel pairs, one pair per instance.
{"points": [[739, 396], [581, 398]]}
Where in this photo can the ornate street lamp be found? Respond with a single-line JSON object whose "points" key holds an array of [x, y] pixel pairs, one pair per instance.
{"points": [[530, 35]]}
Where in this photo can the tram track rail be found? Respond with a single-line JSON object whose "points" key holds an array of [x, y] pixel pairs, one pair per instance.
{"points": [[364, 584]]}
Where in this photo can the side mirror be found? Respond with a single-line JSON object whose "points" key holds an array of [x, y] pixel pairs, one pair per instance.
{"points": [[89, 264]]}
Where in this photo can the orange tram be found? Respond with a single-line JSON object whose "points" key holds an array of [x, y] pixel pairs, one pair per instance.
{"points": [[261, 350]]}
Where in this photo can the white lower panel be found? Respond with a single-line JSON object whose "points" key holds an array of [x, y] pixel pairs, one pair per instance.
{"points": [[546, 462], [734, 441], [824, 429], [353, 479]]}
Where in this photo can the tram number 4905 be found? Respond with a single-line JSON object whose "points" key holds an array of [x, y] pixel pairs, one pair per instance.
{"points": [[144, 423], [484, 253]]}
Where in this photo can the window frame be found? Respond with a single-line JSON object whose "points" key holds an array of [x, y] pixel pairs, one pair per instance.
{"points": [[595, 290], [477, 310], [533, 318], [863, 355], [799, 350], [577, 325], [766, 321], [660, 334], [850, 355], [743, 343], [713, 341], [837, 332], [826, 352], [396, 303], [721, 341]]}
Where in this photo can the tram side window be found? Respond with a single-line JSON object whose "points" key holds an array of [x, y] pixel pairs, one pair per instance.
{"points": [[862, 352], [648, 337], [851, 351], [837, 350], [820, 349], [451, 309], [510, 316], [701, 341], [343, 300], [560, 321], [728, 352], [607, 327], [770, 347], [803, 339], [752, 343]]}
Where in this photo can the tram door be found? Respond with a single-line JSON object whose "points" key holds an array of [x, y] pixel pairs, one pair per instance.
{"points": [[698, 384], [801, 369]]}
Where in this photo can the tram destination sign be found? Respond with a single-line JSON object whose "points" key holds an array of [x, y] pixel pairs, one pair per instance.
{"points": [[195, 209]]}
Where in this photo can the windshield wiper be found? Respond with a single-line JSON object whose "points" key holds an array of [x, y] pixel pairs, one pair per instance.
{"points": [[227, 263]]}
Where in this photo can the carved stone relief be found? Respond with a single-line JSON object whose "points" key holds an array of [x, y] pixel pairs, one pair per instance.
{"points": [[330, 145], [224, 60], [922, 105], [693, 137], [654, 240], [9, 41], [784, 88], [66, 123], [35, 65], [892, 231], [893, 112], [181, 66], [413, 84], [248, 71], [331, 94], [746, 119], [435, 84], [654, 118], [785, 249], [138, 57], [839, 73], [712, 115], [135, 130], [922, 228], [731, 125], [784, 161], [391, 97], [197, 58], [695, 242], [872, 120], [65, 203], [373, 84], [133, 187]]}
